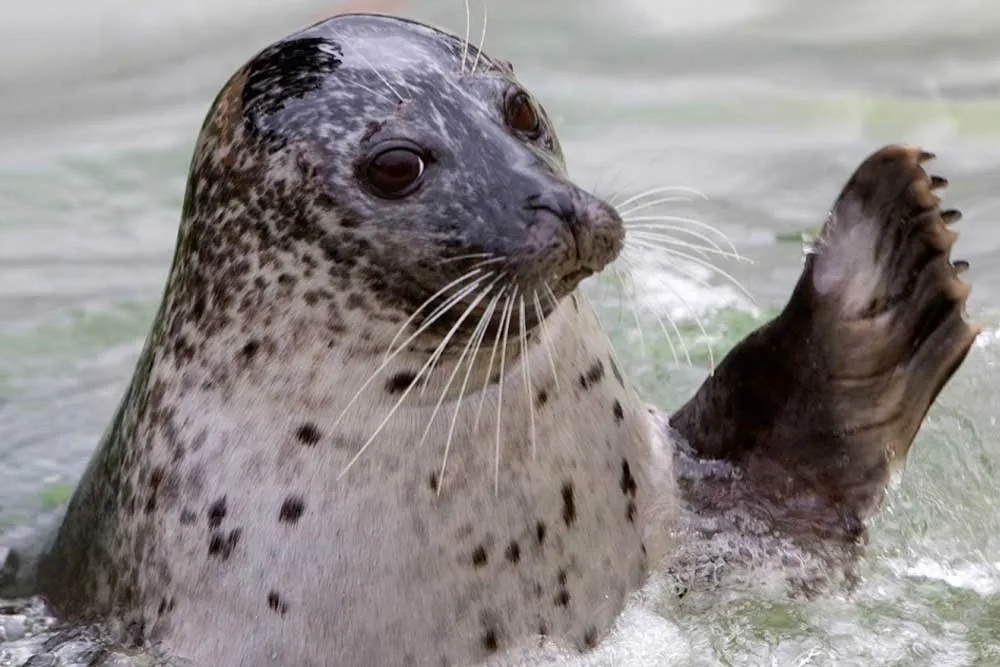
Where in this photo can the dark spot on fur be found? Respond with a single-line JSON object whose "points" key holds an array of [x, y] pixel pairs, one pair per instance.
{"points": [[630, 511], [355, 301], [308, 434], [217, 512], [513, 552], [540, 531], [292, 509], [222, 545], [275, 602], [479, 556], [562, 577], [618, 412], [249, 350], [569, 504], [543, 397], [593, 375], [590, 637], [188, 517], [627, 484], [490, 641], [543, 628], [562, 598], [434, 482], [400, 382], [576, 306]]}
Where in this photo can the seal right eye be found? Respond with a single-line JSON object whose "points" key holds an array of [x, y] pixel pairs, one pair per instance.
{"points": [[395, 172]]}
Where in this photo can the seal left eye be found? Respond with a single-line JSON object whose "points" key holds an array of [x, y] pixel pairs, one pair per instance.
{"points": [[395, 172], [521, 115]]}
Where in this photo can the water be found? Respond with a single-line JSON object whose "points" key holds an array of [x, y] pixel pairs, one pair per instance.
{"points": [[763, 105]]}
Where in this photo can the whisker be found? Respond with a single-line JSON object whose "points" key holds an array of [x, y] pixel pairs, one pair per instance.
{"points": [[489, 373], [526, 372], [666, 239], [545, 337], [452, 301], [457, 281], [454, 372], [468, 29], [407, 391], [696, 260], [508, 309], [668, 188], [477, 336], [671, 229], [372, 68], [666, 335], [482, 38], [490, 258], [635, 313], [628, 220]]}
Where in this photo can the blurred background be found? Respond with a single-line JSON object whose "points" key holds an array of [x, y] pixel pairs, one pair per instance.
{"points": [[764, 106]]}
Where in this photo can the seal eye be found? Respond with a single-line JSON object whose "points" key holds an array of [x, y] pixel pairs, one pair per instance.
{"points": [[395, 172], [521, 115]]}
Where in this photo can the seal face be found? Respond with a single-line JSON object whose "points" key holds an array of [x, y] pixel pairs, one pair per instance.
{"points": [[371, 420]]}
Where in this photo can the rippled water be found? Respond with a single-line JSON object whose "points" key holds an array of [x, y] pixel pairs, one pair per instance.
{"points": [[765, 106]]}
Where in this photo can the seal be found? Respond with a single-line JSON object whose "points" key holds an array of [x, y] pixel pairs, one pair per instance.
{"points": [[374, 423]]}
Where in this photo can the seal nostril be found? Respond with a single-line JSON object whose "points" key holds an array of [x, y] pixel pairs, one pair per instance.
{"points": [[558, 202]]}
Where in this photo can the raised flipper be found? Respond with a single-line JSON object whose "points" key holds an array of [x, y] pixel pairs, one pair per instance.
{"points": [[820, 406]]}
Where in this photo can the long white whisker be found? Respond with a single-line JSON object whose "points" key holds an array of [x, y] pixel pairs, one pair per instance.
{"points": [[547, 339], [662, 228], [489, 372], [635, 314], [526, 372], [696, 260], [697, 319], [458, 366], [455, 299], [490, 259], [436, 356], [407, 391], [666, 239], [630, 219], [666, 335], [477, 336], [482, 38], [372, 67], [468, 29], [668, 188], [447, 304], [508, 309]]}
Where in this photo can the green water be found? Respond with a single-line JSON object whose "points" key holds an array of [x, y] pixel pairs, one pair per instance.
{"points": [[764, 106]]}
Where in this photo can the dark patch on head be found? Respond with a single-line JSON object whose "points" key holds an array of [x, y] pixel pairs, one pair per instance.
{"points": [[217, 512], [434, 481], [540, 531], [479, 556], [292, 509], [188, 517], [222, 545], [617, 373], [276, 604], [400, 382], [543, 397], [284, 72], [628, 484], [569, 504], [619, 414], [593, 375], [308, 434], [513, 552], [590, 637]]}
